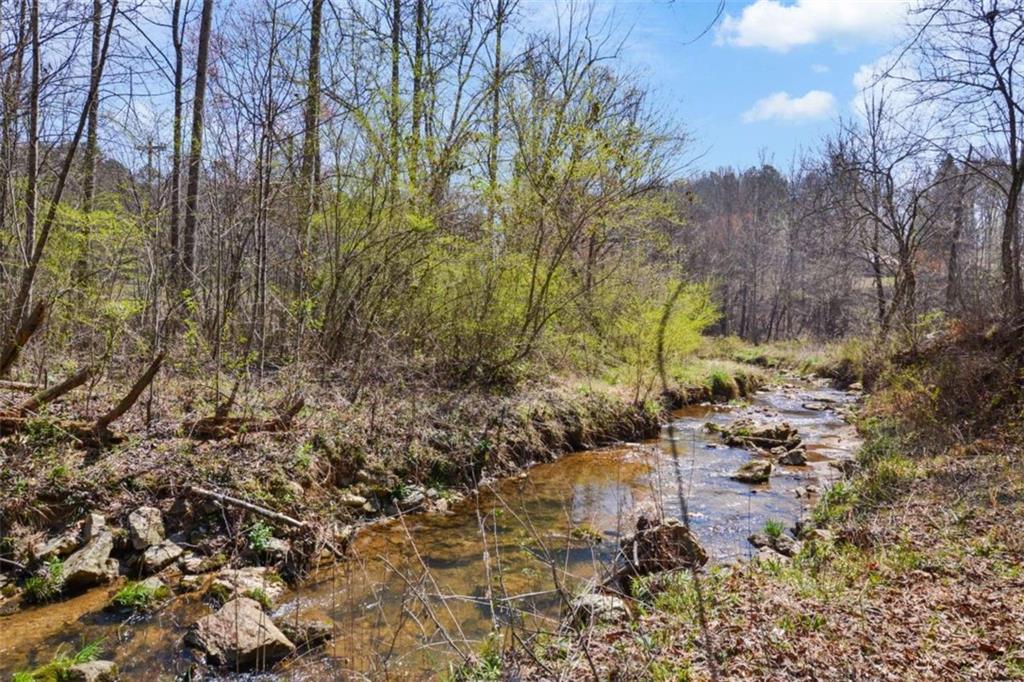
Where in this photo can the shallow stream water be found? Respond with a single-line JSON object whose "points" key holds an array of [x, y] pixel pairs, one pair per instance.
{"points": [[421, 588]]}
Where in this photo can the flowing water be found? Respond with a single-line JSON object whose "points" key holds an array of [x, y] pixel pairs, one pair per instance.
{"points": [[424, 587]]}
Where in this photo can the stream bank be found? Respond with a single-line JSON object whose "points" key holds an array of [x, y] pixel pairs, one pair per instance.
{"points": [[407, 612]]}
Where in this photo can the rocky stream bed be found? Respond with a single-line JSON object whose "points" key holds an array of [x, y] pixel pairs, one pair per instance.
{"points": [[419, 589]]}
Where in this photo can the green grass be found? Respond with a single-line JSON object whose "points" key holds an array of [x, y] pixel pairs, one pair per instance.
{"points": [[139, 597], [259, 535], [773, 528], [260, 596], [58, 669], [47, 585]]}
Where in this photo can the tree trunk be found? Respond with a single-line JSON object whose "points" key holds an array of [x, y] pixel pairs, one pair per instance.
{"points": [[311, 141], [396, 37], [91, 152], [417, 95], [195, 154], [179, 79]]}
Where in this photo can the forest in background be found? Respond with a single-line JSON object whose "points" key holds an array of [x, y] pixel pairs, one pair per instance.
{"points": [[431, 185]]}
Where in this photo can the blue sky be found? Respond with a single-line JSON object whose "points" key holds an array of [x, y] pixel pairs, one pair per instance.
{"points": [[769, 79]]}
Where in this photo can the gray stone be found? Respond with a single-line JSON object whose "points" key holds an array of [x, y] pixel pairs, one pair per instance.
{"points": [[767, 555], [277, 549], [593, 608], [94, 525], [786, 545], [351, 500], [794, 457], [93, 671], [760, 540], [754, 471], [412, 500], [190, 583], [146, 527], [817, 535], [239, 635], [92, 564], [161, 555], [307, 634], [237, 582], [60, 547]]}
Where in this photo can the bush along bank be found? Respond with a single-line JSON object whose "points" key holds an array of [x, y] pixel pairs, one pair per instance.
{"points": [[911, 568]]}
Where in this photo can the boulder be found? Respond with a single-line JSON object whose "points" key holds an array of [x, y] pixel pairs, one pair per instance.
{"points": [[351, 500], [747, 433], [593, 608], [754, 471], [660, 545], [760, 540], [413, 499], [847, 467], [239, 635], [817, 535], [192, 563], [815, 405], [158, 556], [58, 547], [92, 564], [93, 671], [794, 457], [307, 634], [767, 555], [786, 546], [190, 583], [277, 549], [93, 526], [238, 582], [145, 527]]}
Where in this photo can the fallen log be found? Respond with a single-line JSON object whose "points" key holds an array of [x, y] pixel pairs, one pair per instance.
{"points": [[248, 506], [48, 395], [20, 386], [103, 423], [218, 428], [80, 431]]}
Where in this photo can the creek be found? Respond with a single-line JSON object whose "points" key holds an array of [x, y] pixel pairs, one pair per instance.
{"points": [[419, 588]]}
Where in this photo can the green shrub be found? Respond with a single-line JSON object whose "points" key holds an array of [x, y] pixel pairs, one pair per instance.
{"points": [[260, 596], [773, 528], [137, 596], [46, 585], [58, 669], [259, 535]]}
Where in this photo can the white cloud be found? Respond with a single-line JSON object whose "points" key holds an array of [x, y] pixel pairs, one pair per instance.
{"points": [[780, 106], [820, 68], [771, 24], [883, 78]]}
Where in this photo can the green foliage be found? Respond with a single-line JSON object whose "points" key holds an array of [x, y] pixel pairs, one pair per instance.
{"points": [[259, 535], [46, 585], [58, 669], [773, 528], [485, 667], [137, 596], [259, 595], [836, 502]]}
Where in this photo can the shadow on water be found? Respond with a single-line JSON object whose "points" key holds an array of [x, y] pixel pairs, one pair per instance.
{"points": [[419, 589]]}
